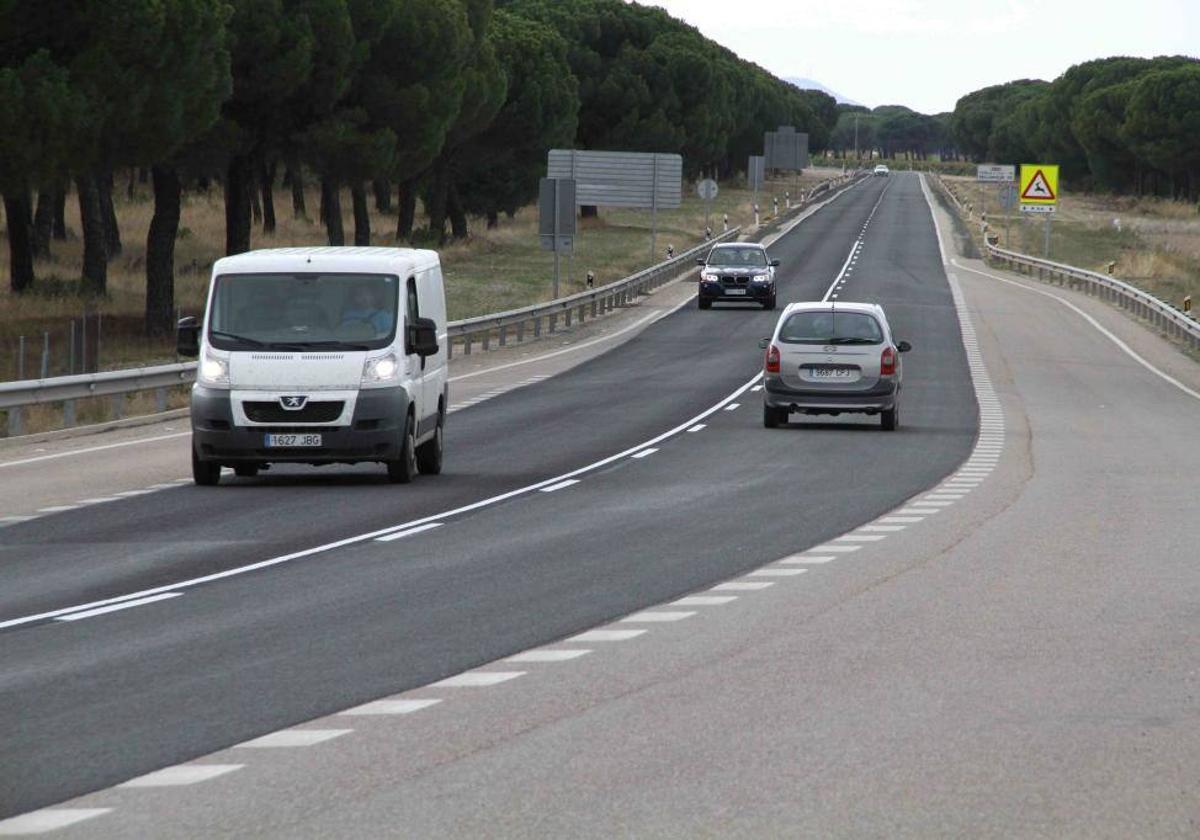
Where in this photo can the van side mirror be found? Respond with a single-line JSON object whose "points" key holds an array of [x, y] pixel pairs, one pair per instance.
{"points": [[764, 343], [422, 338], [903, 346], [187, 337], [774, 263]]}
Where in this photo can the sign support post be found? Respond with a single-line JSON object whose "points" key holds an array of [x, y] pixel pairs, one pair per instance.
{"points": [[654, 210]]}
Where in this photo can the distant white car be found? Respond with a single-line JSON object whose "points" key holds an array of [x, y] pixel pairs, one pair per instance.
{"points": [[882, 170]]}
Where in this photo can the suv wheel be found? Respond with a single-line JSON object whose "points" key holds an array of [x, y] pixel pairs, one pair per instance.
{"points": [[769, 303], [705, 304]]}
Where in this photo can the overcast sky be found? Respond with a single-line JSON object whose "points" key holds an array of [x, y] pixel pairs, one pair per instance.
{"points": [[927, 53]]}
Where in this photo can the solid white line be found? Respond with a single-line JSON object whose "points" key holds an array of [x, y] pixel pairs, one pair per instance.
{"points": [[703, 600], [390, 707], [742, 585], [98, 501], [13, 520], [428, 526], [124, 605], [606, 636], [285, 738], [181, 774], [644, 453], [554, 488], [477, 679], [548, 655], [141, 492], [47, 819], [58, 508], [91, 449], [658, 616]]}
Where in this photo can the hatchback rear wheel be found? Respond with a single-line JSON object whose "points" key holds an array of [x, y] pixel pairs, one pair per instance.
{"points": [[889, 418], [774, 417]]}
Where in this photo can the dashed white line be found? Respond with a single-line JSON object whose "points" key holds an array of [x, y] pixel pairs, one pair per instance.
{"points": [[882, 528], [124, 605], [703, 600], [554, 488], [776, 572], [698, 427], [742, 585], [477, 679], [809, 559], [181, 774], [644, 453], [548, 655], [606, 636], [47, 819], [733, 406], [657, 616], [853, 538], [408, 532], [286, 738], [391, 707], [838, 549]]}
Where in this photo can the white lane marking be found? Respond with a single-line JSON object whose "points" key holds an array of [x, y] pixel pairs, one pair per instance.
{"points": [[47, 819], [698, 427], [703, 600], [882, 528], [477, 679], [917, 511], [775, 572], [292, 738], [97, 501], [853, 538], [554, 488], [165, 486], [855, 249], [58, 508], [91, 449], [391, 707], [900, 520], [606, 636], [809, 559], [181, 774], [757, 388], [13, 520], [548, 655], [837, 549], [141, 492], [408, 532], [124, 605], [733, 406], [742, 585], [645, 453], [658, 616], [937, 503]]}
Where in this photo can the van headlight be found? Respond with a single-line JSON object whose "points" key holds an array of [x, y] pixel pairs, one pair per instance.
{"points": [[380, 371], [213, 372]]}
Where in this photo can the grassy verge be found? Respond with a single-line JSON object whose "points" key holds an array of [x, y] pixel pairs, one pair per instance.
{"points": [[490, 271]]}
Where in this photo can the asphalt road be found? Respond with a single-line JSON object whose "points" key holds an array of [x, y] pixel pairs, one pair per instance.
{"points": [[86, 704]]}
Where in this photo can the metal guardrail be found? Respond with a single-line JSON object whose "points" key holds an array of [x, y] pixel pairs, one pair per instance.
{"points": [[593, 303], [1172, 321]]}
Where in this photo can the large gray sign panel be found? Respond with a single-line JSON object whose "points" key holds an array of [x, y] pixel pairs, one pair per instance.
{"points": [[620, 179], [785, 149]]}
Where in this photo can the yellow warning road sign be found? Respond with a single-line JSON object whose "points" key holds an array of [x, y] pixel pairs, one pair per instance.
{"points": [[1039, 187]]}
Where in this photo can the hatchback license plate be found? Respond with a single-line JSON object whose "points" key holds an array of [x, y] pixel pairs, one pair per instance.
{"points": [[292, 441], [735, 291], [831, 373]]}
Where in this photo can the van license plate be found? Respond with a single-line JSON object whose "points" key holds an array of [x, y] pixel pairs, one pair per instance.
{"points": [[292, 441]]}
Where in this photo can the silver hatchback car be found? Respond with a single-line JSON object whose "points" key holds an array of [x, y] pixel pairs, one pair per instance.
{"points": [[832, 358]]}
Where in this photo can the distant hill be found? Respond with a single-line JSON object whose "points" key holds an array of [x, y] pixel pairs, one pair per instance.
{"points": [[813, 84]]}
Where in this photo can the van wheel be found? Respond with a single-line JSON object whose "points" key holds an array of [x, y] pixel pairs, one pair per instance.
{"points": [[704, 304], [245, 470], [205, 473], [889, 418], [404, 469], [773, 417], [429, 453]]}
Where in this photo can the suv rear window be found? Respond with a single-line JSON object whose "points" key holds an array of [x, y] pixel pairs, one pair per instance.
{"points": [[824, 327]]}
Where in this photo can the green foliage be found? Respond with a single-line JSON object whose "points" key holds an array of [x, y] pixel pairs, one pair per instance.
{"points": [[40, 113]]}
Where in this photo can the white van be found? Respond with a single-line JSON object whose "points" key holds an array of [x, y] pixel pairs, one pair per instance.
{"points": [[320, 356]]}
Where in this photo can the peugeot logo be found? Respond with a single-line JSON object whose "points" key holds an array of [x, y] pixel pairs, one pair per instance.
{"points": [[292, 403]]}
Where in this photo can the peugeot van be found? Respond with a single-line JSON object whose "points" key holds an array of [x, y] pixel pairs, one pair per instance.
{"points": [[320, 356]]}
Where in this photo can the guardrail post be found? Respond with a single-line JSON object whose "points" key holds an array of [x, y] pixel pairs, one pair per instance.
{"points": [[467, 344], [503, 335], [537, 327], [160, 400], [118, 406], [520, 331], [449, 347], [567, 317], [487, 339], [15, 427], [553, 322], [593, 307], [68, 413], [582, 312]]}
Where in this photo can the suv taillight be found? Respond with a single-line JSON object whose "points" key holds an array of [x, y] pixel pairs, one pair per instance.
{"points": [[772, 363], [887, 362]]}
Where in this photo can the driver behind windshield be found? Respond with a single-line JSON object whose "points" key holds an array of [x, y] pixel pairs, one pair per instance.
{"points": [[364, 307]]}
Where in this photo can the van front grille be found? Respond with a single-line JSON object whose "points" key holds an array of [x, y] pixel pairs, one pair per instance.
{"points": [[321, 411]]}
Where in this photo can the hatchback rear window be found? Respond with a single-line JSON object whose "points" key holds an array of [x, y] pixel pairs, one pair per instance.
{"points": [[831, 328]]}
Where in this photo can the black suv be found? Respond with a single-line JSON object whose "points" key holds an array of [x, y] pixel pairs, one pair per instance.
{"points": [[737, 272]]}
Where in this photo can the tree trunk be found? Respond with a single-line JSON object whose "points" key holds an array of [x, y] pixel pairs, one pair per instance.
{"points": [[112, 231], [493, 220], [331, 209], [59, 231], [43, 223], [362, 216], [160, 251], [458, 217], [255, 202], [408, 212], [95, 250], [295, 178], [238, 186], [20, 246], [383, 194], [439, 192], [267, 185], [129, 188]]}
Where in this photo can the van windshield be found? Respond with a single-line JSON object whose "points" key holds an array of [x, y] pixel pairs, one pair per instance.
{"points": [[831, 327], [303, 311]]}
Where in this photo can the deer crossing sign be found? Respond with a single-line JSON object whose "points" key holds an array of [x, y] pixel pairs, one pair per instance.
{"points": [[1039, 187]]}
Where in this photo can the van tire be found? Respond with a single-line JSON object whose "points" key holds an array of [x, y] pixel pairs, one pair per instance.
{"points": [[429, 453], [773, 417], [245, 470], [404, 469], [205, 473], [889, 418]]}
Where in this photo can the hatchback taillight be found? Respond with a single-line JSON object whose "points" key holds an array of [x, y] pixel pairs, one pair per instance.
{"points": [[887, 362], [772, 363]]}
